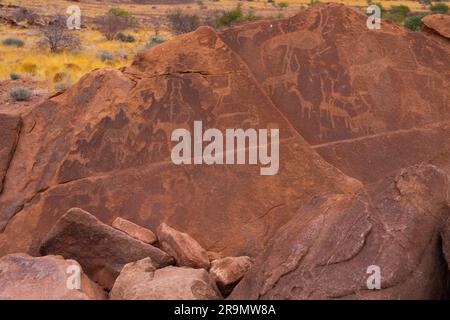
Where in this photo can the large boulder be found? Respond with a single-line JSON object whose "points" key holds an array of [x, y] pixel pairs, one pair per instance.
{"points": [[186, 251], [99, 248], [23, 277], [227, 272], [335, 244], [105, 145], [439, 23], [141, 281]]}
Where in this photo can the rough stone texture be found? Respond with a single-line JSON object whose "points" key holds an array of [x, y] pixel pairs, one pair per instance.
{"points": [[9, 136], [140, 281], [337, 81], [227, 272], [186, 251], [439, 23], [324, 252], [23, 277], [104, 145], [99, 248], [135, 231]]}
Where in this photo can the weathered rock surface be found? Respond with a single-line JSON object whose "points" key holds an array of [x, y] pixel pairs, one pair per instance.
{"points": [[101, 250], [140, 281], [104, 145], [9, 133], [326, 250], [227, 272], [135, 231], [186, 250], [337, 81], [439, 23], [23, 277]]}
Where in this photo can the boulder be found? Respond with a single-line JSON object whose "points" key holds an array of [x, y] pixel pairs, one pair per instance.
{"points": [[186, 251], [227, 272], [438, 23], [135, 231], [23, 277], [101, 250], [335, 245], [141, 281]]}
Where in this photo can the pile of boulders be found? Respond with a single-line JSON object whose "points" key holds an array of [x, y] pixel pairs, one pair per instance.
{"points": [[83, 258]]}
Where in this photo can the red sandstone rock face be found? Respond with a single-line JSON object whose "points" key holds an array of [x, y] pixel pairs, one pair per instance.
{"points": [[324, 252], [104, 146], [23, 277], [369, 102], [439, 23], [349, 90]]}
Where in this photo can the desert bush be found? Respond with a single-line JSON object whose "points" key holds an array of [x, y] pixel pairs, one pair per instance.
{"points": [[401, 10], [26, 14], [154, 41], [13, 42], [62, 86], [125, 38], [283, 5], [230, 17], [57, 37], [414, 23], [20, 94], [111, 23], [105, 56], [182, 22], [439, 8], [14, 76]]}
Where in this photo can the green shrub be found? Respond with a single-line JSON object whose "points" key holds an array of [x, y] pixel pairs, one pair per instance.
{"points": [[14, 76], [154, 41], [125, 38], [401, 10], [183, 22], [20, 94], [282, 5], [119, 12], [439, 8], [105, 56], [13, 42], [414, 23], [230, 17], [62, 86]]}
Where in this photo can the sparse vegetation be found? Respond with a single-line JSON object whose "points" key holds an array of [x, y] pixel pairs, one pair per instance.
{"points": [[125, 38], [13, 42], [154, 41], [397, 13], [113, 22], [414, 23], [439, 8], [181, 22], [105, 56], [57, 37], [14, 76], [20, 94]]}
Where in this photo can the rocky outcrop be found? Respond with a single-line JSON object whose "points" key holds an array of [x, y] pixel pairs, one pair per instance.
{"points": [[101, 250], [9, 133], [135, 231], [227, 272], [105, 145], [327, 250], [344, 86], [140, 281], [186, 251], [23, 277], [439, 23]]}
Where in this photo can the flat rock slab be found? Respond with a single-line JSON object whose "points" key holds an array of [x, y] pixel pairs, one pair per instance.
{"points": [[99, 248], [23, 277], [439, 23], [140, 281], [134, 230], [9, 135], [186, 251]]}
